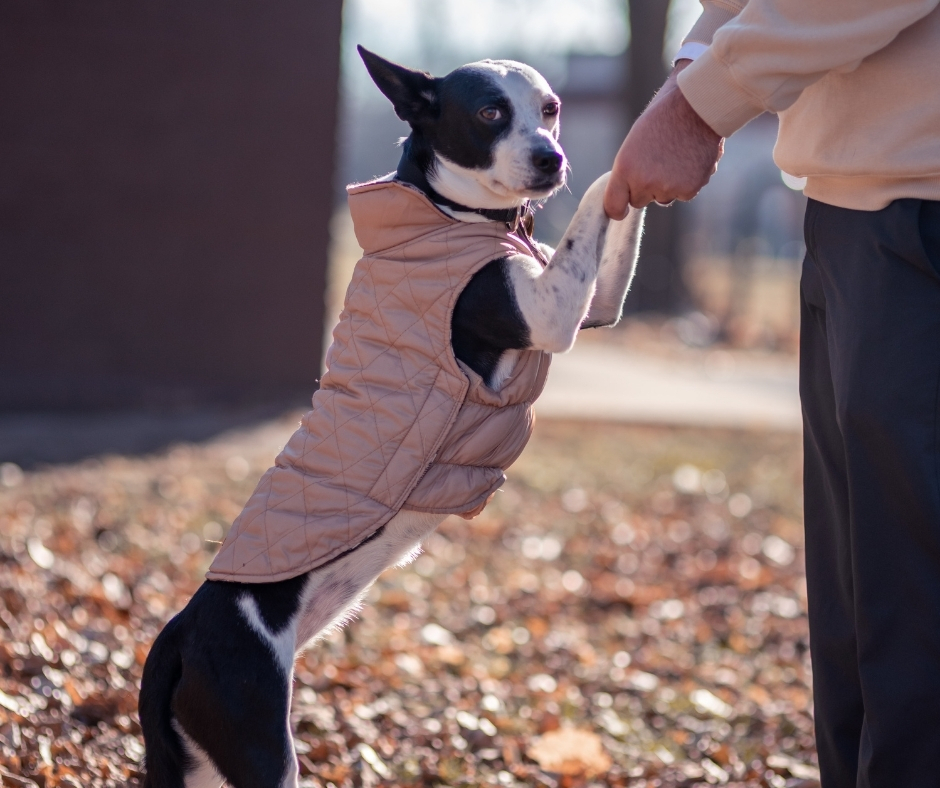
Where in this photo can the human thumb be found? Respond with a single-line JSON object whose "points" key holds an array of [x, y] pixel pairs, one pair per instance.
{"points": [[616, 197]]}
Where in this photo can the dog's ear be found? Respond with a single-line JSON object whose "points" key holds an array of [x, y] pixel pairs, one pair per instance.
{"points": [[413, 93]]}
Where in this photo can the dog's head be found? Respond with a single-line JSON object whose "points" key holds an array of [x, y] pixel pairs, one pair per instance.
{"points": [[484, 136]]}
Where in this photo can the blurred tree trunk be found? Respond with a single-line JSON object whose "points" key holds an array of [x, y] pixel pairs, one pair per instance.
{"points": [[658, 285]]}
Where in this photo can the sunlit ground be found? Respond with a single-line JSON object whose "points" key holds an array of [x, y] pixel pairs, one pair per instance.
{"points": [[629, 611]]}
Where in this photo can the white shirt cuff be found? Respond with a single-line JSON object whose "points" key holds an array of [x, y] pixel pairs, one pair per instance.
{"points": [[689, 51]]}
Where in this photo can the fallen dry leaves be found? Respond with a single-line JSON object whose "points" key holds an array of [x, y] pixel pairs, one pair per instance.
{"points": [[628, 612], [571, 753]]}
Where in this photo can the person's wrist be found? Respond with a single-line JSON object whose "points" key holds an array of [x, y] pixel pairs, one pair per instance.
{"points": [[671, 82], [671, 85]]}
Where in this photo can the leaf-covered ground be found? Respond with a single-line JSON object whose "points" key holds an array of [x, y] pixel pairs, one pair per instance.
{"points": [[630, 611]]}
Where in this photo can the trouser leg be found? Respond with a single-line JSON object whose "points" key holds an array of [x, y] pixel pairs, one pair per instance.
{"points": [[837, 689], [873, 514]]}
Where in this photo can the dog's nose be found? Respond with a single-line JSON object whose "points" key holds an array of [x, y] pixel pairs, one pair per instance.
{"points": [[547, 161]]}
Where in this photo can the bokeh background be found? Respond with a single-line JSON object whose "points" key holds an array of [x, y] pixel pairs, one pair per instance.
{"points": [[174, 249]]}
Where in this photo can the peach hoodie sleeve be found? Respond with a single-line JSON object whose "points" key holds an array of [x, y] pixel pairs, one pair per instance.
{"points": [[762, 54]]}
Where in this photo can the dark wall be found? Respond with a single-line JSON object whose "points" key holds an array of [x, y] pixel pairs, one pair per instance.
{"points": [[166, 184]]}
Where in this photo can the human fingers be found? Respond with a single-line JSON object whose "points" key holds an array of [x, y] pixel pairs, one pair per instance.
{"points": [[642, 195], [617, 196], [686, 191]]}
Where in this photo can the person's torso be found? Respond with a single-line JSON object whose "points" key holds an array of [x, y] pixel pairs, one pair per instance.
{"points": [[872, 135]]}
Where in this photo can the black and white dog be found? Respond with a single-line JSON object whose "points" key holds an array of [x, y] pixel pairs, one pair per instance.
{"points": [[216, 689]]}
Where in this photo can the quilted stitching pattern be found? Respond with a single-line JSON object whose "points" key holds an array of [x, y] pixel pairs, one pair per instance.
{"points": [[389, 403]]}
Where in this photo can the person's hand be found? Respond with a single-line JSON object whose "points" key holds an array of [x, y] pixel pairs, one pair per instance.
{"points": [[479, 510], [669, 154]]}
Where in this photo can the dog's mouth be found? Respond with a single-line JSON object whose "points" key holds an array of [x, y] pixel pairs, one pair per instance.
{"points": [[545, 186]]}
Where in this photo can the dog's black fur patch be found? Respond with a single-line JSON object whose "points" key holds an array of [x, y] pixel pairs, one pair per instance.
{"points": [[458, 133], [487, 321]]}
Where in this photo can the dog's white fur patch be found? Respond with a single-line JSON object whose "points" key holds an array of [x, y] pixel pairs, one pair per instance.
{"points": [[476, 188], [292, 776], [282, 644], [504, 367], [204, 775]]}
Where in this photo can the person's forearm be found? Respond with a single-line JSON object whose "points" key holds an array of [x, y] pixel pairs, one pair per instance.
{"points": [[764, 57]]}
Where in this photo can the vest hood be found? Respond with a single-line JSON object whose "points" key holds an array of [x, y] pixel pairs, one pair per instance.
{"points": [[389, 213]]}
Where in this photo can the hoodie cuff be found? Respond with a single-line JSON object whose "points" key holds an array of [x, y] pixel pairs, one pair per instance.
{"points": [[718, 99]]}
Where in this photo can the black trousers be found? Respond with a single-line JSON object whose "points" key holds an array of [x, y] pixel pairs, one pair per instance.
{"points": [[870, 386]]}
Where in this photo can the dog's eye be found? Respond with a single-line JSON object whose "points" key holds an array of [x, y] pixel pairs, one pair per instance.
{"points": [[551, 109], [490, 113]]}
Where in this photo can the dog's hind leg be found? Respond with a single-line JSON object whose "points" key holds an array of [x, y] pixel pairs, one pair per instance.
{"points": [[233, 698], [231, 701], [245, 736], [167, 759]]}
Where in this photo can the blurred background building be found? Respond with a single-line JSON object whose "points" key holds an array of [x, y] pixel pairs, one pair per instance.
{"points": [[166, 178]]}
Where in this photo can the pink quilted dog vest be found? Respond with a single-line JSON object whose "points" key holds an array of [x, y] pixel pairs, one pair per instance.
{"points": [[398, 422]]}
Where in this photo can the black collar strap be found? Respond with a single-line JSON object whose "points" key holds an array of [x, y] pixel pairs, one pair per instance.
{"points": [[514, 218]]}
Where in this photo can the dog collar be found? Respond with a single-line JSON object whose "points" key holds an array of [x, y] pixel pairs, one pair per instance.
{"points": [[515, 218]]}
